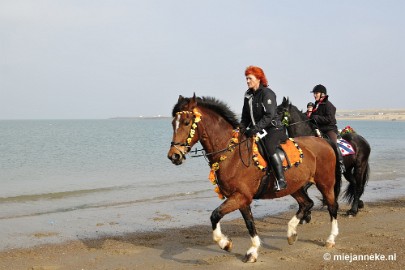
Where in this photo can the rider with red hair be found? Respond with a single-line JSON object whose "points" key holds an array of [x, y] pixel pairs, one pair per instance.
{"points": [[260, 113]]}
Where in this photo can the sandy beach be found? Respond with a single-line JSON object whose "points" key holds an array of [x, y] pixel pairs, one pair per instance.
{"points": [[365, 242]]}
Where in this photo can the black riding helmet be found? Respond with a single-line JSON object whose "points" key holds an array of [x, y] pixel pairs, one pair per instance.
{"points": [[310, 104], [319, 89]]}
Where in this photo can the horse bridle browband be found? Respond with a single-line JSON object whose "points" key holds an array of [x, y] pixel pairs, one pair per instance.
{"points": [[196, 119]]}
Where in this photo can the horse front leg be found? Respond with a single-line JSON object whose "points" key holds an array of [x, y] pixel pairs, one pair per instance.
{"points": [[252, 253], [223, 241], [237, 201]]}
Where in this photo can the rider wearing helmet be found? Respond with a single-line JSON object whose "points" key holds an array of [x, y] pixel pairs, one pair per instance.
{"points": [[323, 116], [310, 107]]}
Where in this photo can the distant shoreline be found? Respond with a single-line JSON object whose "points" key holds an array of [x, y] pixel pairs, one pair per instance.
{"points": [[378, 115], [368, 115], [140, 117]]}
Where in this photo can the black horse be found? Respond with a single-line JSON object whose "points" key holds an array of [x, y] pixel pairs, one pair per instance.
{"points": [[357, 167]]}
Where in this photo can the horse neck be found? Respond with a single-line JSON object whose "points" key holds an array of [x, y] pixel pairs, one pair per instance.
{"points": [[214, 133], [301, 125]]}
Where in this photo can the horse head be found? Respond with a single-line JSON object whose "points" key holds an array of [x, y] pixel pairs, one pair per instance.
{"points": [[294, 119], [185, 119], [283, 110]]}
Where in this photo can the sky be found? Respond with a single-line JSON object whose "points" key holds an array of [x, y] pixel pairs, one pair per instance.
{"points": [[83, 59]]}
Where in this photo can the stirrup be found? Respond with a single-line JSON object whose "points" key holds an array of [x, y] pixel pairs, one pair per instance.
{"points": [[278, 187]]}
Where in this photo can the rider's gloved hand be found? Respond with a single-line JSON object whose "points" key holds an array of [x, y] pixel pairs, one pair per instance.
{"points": [[250, 132]]}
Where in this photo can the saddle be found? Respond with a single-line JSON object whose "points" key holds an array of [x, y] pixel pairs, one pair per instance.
{"points": [[345, 147], [289, 152]]}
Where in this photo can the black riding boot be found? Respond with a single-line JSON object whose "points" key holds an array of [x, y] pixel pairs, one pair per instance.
{"points": [[277, 165], [340, 157]]}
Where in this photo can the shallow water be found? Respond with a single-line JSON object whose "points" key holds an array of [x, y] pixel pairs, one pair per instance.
{"points": [[70, 179]]}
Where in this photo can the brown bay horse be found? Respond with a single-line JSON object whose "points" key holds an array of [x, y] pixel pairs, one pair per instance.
{"points": [[212, 123]]}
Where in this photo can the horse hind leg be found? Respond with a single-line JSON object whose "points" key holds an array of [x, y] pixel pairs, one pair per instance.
{"points": [[333, 206], [306, 205], [330, 242], [328, 193], [303, 213]]}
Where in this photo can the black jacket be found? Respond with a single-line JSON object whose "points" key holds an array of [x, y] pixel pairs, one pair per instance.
{"points": [[264, 110], [324, 115]]}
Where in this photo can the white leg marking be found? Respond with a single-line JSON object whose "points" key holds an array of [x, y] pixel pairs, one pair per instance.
{"points": [[218, 237], [334, 232], [292, 226], [255, 246]]}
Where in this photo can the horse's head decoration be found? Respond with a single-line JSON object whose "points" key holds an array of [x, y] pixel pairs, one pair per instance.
{"points": [[284, 111], [185, 119]]}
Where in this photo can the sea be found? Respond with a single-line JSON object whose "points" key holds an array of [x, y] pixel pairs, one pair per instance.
{"points": [[64, 180]]}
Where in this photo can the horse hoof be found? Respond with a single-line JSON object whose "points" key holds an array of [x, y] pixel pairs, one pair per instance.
{"points": [[361, 204], [250, 258], [329, 245], [305, 220], [350, 213], [292, 239], [228, 246]]}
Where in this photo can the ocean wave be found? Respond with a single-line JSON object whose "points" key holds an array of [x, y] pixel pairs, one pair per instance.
{"points": [[45, 210]]}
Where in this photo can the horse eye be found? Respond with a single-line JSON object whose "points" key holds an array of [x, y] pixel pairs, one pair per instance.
{"points": [[187, 123]]}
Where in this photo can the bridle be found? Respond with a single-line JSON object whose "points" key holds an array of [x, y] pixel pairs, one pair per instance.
{"points": [[286, 120], [196, 119]]}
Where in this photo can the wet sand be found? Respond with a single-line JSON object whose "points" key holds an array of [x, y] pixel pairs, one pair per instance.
{"points": [[377, 231]]}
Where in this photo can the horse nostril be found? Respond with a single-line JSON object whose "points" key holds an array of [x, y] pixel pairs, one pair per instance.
{"points": [[175, 157]]}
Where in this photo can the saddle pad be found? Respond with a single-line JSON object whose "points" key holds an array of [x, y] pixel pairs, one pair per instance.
{"points": [[345, 147], [291, 149]]}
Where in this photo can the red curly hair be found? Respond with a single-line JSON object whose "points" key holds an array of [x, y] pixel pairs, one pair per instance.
{"points": [[258, 73]]}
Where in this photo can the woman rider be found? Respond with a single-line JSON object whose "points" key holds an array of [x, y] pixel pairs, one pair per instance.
{"points": [[259, 113], [323, 115]]}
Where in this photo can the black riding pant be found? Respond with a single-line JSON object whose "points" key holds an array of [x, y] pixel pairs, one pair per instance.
{"points": [[272, 140]]}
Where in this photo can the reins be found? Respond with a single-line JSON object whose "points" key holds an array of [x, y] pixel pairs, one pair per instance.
{"points": [[299, 122], [286, 120], [216, 152], [197, 119]]}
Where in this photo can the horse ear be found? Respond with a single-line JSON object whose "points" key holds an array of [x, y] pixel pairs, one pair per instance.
{"points": [[193, 102], [180, 98], [285, 102]]}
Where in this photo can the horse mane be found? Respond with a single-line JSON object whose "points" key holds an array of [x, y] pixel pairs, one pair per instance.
{"points": [[210, 103]]}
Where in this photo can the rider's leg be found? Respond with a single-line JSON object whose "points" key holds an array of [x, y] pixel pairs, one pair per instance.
{"points": [[277, 166], [333, 137], [271, 142]]}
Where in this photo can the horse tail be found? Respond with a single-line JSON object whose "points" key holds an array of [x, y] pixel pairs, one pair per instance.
{"points": [[366, 175], [358, 182], [352, 187]]}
